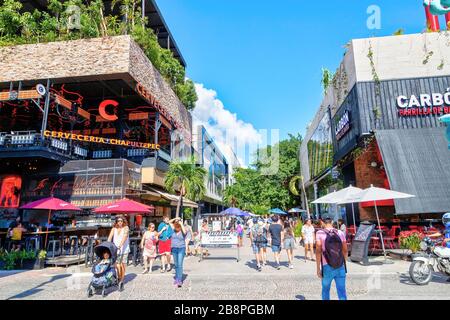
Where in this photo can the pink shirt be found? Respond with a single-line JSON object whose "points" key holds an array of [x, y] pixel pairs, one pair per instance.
{"points": [[321, 236]]}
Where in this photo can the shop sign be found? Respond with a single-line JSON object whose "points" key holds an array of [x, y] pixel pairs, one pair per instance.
{"points": [[424, 104], [343, 125], [85, 138], [219, 239]]}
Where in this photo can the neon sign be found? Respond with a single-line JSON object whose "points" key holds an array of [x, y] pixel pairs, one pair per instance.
{"points": [[101, 140], [424, 104]]}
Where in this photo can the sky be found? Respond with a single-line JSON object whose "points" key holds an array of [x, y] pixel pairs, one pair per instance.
{"points": [[257, 63]]}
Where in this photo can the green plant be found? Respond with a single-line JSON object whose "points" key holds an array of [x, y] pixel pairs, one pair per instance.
{"points": [[410, 240], [327, 78], [427, 57], [19, 27], [187, 213], [441, 66], [399, 32], [298, 229], [188, 178]]}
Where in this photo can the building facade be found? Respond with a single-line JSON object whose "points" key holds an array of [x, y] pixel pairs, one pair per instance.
{"points": [[89, 121], [379, 124]]}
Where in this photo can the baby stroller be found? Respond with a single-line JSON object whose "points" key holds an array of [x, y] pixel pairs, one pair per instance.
{"points": [[105, 274]]}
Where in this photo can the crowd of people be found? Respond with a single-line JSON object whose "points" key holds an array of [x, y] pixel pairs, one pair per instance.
{"points": [[174, 239]]}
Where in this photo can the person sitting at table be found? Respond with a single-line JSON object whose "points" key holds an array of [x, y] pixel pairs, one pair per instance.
{"points": [[16, 237]]}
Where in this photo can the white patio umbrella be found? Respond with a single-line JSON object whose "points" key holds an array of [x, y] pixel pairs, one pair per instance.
{"points": [[337, 197], [377, 194]]}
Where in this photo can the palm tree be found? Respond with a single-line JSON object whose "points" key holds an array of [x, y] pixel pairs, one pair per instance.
{"points": [[188, 178]]}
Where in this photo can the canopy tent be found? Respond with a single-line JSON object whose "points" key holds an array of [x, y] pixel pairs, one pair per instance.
{"points": [[124, 206], [50, 204], [278, 211], [235, 212], [153, 194], [297, 210], [376, 194], [337, 197]]}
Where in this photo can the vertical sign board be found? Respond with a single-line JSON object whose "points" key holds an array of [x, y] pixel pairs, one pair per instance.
{"points": [[360, 244]]}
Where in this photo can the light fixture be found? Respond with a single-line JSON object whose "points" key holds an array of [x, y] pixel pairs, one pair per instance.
{"points": [[374, 164]]}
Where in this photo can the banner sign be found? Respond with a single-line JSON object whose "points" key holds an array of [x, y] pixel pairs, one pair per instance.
{"points": [[424, 104], [343, 125], [85, 138], [219, 239]]}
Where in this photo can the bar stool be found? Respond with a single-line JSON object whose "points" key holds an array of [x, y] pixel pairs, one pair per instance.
{"points": [[73, 247], [32, 243], [55, 246]]}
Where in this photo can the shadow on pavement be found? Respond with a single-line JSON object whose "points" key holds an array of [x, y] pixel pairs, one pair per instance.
{"points": [[129, 277], [36, 289], [5, 273], [252, 265], [300, 297]]}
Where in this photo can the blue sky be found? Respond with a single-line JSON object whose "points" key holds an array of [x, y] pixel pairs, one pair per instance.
{"points": [[264, 58]]}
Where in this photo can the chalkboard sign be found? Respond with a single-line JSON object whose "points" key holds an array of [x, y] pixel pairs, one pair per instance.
{"points": [[360, 244]]}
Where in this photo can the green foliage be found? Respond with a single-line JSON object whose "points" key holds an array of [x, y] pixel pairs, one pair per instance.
{"points": [[410, 240], [188, 178], [187, 213], [298, 229], [42, 255], [327, 78], [257, 192], [18, 27], [14, 259], [399, 32]]}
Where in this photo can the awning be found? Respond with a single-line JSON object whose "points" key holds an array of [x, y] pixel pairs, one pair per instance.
{"points": [[417, 162], [170, 197]]}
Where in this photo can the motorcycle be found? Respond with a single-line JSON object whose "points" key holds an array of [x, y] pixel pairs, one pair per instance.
{"points": [[422, 267]]}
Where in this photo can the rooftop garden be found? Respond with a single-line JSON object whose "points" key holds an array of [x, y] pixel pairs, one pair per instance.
{"points": [[81, 19]]}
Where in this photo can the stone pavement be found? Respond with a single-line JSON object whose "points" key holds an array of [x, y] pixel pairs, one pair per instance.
{"points": [[221, 277]]}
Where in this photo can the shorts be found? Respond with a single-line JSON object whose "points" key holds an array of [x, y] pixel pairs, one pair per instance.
{"points": [[257, 246], [122, 258], [308, 240], [165, 246], [289, 243], [276, 249]]}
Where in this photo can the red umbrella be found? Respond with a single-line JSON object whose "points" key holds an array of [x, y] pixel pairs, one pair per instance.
{"points": [[125, 206], [50, 204]]}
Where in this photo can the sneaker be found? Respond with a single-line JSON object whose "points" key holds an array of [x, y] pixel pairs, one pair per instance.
{"points": [[121, 287], [259, 268], [180, 284], [162, 270], [291, 266], [169, 268], [145, 271]]}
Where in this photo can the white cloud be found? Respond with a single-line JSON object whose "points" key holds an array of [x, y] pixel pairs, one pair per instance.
{"points": [[226, 129]]}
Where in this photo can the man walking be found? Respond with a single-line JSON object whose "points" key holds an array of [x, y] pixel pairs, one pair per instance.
{"points": [[258, 237], [275, 233], [164, 245], [331, 254]]}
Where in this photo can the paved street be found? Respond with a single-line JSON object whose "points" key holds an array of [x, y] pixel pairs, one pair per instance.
{"points": [[221, 277]]}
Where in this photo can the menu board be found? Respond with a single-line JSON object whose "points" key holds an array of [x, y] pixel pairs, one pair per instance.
{"points": [[360, 244]]}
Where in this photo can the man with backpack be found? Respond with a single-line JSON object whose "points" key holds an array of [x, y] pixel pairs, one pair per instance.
{"points": [[258, 237], [331, 255]]}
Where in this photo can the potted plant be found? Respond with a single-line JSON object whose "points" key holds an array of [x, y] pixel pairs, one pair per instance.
{"points": [[27, 259], [40, 261], [11, 260], [410, 240], [2, 259]]}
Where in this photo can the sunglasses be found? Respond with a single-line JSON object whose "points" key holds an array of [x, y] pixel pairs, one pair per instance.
{"points": [[119, 221]]}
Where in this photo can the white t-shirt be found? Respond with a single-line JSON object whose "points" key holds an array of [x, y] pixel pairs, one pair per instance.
{"points": [[308, 232]]}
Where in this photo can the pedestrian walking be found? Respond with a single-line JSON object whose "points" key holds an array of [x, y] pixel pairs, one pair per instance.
{"points": [[289, 243], [275, 230], [258, 237], [178, 247], [240, 232], [342, 226], [119, 235], [148, 246], [189, 238], [204, 230], [308, 239], [164, 245], [331, 255]]}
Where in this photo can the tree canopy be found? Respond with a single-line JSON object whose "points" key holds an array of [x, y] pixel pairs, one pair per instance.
{"points": [[257, 192]]}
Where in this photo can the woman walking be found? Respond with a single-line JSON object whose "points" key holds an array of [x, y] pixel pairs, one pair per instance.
{"points": [[240, 232], [289, 242], [119, 236], [178, 243], [308, 232], [148, 245]]}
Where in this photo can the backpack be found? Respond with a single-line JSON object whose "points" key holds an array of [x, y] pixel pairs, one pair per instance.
{"points": [[260, 234], [333, 249]]}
